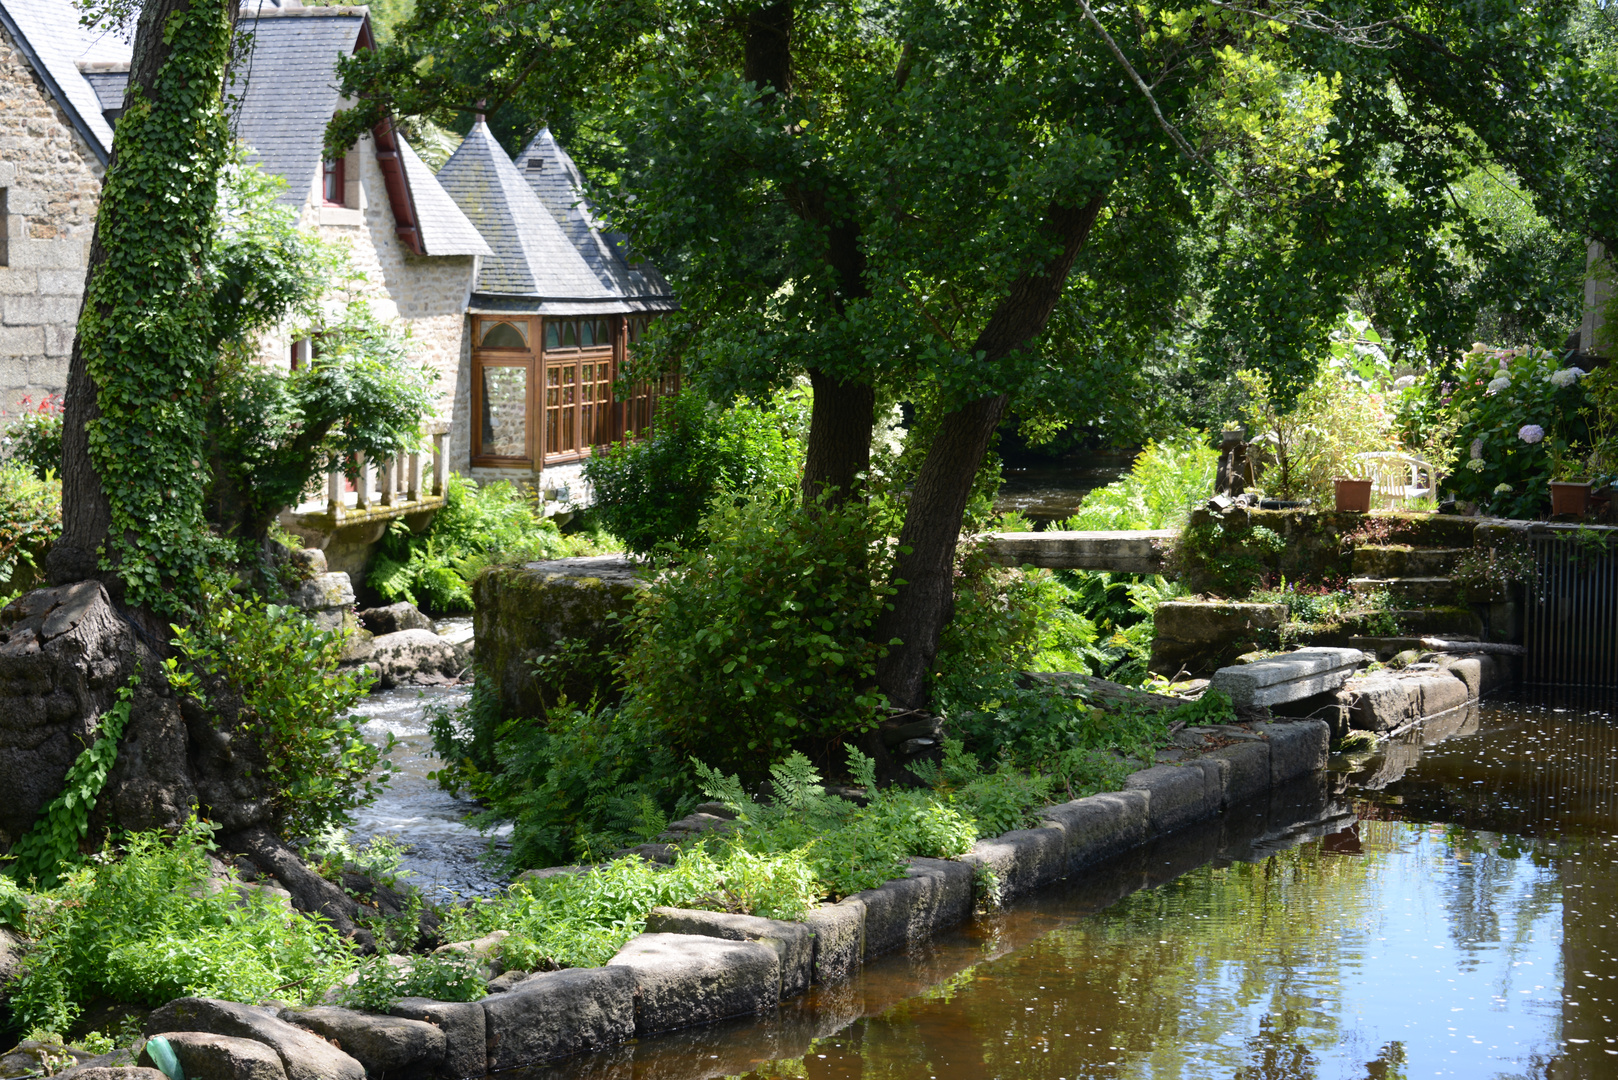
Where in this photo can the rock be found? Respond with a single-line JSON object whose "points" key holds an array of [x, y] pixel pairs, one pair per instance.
{"points": [[358, 648], [304, 1056], [1023, 859], [484, 948], [525, 611], [383, 1044], [557, 1013], [1378, 703], [793, 942], [934, 895], [308, 562], [1291, 676], [681, 979], [1249, 773], [466, 1051], [1297, 749], [506, 980], [204, 1056], [323, 592], [1177, 796], [839, 944], [112, 1072], [393, 618], [553, 871], [693, 825], [930, 727], [415, 656], [40, 1057], [1200, 636], [11, 952], [1440, 692], [1100, 826]]}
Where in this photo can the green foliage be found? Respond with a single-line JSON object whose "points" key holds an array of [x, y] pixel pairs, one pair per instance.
{"points": [[34, 439], [653, 493], [30, 520], [479, 525], [1226, 558], [1333, 419], [148, 330], [149, 926], [295, 704], [52, 845], [330, 852], [763, 637], [1313, 610], [1167, 480], [379, 983], [13, 904]]}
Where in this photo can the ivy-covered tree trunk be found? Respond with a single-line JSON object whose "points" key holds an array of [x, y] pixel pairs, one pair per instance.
{"points": [[924, 572], [132, 452]]}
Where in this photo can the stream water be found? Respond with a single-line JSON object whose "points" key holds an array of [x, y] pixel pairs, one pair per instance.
{"points": [[1444, 908]]}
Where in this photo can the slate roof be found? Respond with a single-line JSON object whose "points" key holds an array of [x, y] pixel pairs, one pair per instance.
{"points": [[288, 88], [532, 257], [550, 171], [444, 229], [49, 35], [109, 84]]}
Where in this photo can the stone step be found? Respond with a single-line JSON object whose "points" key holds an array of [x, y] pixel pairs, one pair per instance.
{"points": [[1402, 560], [1289, 676], [1416, 592]]}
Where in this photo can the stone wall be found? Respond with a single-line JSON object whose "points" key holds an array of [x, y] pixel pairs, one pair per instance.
{"points": [[1593, 333], [52, 185]]}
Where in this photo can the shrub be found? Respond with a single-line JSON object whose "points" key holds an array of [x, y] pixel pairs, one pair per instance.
{"points": [[1165, 482], [478, 526], [149, 926], [763, 637], [295, 705], [34, 439], [1336, 417], [655, 492], [30, 521]]}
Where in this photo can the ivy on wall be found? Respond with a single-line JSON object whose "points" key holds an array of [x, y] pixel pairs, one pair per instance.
{"points": [[146, 331]]}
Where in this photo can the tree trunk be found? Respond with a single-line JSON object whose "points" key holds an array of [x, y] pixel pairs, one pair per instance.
{"points": [[924, 572], [839, 447], [86, 513]]}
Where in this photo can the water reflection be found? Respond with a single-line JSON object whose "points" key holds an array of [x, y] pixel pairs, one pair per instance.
{"points": [[1449, 914]]}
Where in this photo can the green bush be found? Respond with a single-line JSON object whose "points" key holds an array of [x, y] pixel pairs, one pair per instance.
{"points": [[30, 521], [148, 926], [762, 638], [478, 526], [295, 705], [655, 492], [1167, 480], [34, 439]]}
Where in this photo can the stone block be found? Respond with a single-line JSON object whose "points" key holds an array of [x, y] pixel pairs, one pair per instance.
{"points": [[1378, 703], [682, 979], [1440, 691], [383, 1044], [794, 943], [1125, 552], [1023, 859], [1469, 670], [323, 592], [20, 341], [464, 1024], [62, 283], [203, 1056], [1200, 636], [1248, 774], [1289, 677], [415, 656], [934, 895], [1297, 749], [38, 310], [58, 348], [839, 931], [558, 1013], [14, 282], [304, 1055], [1177, 796], [1100, 826]]}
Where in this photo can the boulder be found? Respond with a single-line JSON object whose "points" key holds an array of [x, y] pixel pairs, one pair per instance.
{"points": [[839, 931], [485, 948], [204, 1056], [557, 1013], [793, 942], [322, 592], [1378, 703], [464, 1024], [682, 979], [525, 611], [383, 1044], [394, 618], [304, 1055], [11, 952], [934, 895], [415, 656]]}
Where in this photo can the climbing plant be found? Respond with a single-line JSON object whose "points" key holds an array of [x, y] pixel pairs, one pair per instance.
{"points": [[146, 332]]}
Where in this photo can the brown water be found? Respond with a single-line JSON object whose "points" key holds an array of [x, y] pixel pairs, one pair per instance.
{"points": [[1446, 908]]}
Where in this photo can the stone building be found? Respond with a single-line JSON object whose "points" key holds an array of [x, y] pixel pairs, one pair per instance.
{"points": [[1595, 337], [55, 139]]}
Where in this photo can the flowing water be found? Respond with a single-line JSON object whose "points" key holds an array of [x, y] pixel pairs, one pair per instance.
{"points": [[1448, 907]]}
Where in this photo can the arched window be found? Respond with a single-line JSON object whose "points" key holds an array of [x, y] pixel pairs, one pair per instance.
{"points": [[504, 335]]}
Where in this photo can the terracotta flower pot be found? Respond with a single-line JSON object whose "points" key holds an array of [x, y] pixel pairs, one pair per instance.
{"points": [[1353, 496], [1569, 498]]}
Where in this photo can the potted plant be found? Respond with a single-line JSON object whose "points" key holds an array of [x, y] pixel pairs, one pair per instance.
{"points": [[1570, 484], [1353, 494]]}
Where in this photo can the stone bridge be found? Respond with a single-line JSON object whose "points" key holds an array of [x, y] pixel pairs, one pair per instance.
{"points": [[1129, 552]]}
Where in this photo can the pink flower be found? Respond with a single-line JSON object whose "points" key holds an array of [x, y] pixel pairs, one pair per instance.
{"points": [[1530, 433]]}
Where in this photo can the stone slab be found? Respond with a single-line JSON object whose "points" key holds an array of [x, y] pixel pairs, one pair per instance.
{"points": [[934, 895], [1098, 827], [1297, 749], [1378, 703], [1023, 859], [383, 1044], [1440, 691], [465, 1026], [1132, 552], [1289, 677], [304, 1055], [839, 931], [683, 979], [1177, 796], [1248, 774], [558, 1013], [205, 1056], [793, 942]]}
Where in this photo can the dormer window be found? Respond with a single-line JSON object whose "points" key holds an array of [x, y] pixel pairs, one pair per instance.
{"points": [[332, 188], [535, 164]]}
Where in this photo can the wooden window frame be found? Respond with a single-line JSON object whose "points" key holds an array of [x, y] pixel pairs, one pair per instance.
{"points": [[333, 169], [525, 359], [574, 356]]}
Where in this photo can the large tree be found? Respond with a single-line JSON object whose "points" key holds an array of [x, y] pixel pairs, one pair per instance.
{"points": [[953, 202]]}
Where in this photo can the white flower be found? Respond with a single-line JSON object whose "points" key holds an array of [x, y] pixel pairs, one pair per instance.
{"points": [[1404, 382], [1565, 376], [1530, 433], [1502, 489], [1477, 448], [1477, 464], [1498, 384]]}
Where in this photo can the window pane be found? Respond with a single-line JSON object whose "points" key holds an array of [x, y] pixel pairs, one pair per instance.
{"points": [[587, 334], [505, 412], [505, 335], [553, 337], [570, 335]]}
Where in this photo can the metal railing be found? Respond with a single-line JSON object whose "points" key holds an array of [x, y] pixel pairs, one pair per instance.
{"points": [[1571, 625]]}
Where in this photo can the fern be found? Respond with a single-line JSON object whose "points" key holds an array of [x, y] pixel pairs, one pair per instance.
{"points": [[796, 782], [861, 768], [725, 789]]}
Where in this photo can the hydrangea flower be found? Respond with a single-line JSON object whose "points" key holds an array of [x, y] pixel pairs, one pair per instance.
{"points": [[1530, 433], [1504, 363], [1404, 382], [1477, 448], [1477, 464], [1497, 384], [1565, 376], [1502, 489]]}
